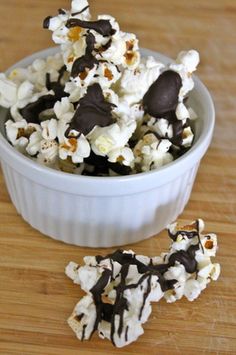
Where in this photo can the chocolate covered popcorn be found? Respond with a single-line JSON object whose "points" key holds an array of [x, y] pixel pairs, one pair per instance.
{"points": [[121, 286], [98, 107]]}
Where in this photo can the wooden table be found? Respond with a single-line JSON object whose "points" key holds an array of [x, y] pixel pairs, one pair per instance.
{"points": [[35, 296]]}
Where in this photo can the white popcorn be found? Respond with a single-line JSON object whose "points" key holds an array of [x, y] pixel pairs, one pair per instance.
{"points": [[76, 147], [115, 52], [185, 64], [34, 143], [8, 91], [215, 272], [187, 137], [25, 90], [78, 6], [104, 140], [18, 75], [64, 109], [106, 74], [71, 269], [150, 152], [49, 131], [122, 155], [123, 49], [161, 126], [86, 310], [182, 112], [189, 59], [56, 22], [209, 243], [48, 152], [24, 136], [90, 260], [192, 289]]}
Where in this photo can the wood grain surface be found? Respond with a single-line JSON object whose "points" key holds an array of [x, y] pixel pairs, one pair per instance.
{"points": [[35, 296]]}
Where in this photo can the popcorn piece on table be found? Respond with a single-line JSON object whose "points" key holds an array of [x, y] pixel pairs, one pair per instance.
{"points": [[121, 286]]}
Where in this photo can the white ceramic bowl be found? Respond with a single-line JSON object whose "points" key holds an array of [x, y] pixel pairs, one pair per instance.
{"points": [[105, 211]]}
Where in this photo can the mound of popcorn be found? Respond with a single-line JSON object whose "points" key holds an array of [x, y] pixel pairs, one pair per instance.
{"points": [[98, 107], [120, 287]]}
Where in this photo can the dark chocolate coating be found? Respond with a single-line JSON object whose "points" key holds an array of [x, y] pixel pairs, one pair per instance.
{"points": [[120, 169], [103, 27], [184, 258], [97, 290], [162, 96], [86, 61], [92, 111], [31, 111]]}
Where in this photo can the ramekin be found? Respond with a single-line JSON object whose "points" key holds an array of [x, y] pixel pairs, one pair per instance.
{"points": [[105, 211]]}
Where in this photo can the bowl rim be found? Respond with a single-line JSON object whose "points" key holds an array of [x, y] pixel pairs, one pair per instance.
{"points": [[18, 160]]}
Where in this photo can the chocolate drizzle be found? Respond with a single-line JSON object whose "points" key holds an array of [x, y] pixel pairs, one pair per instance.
{"points": [[162, 96], [80, 12], [92, 111], [186, 258], [97, 290], [103, 27], [148, 290], [126, 333], [32, 111], [87, 61], [110, 312], [46, 22]]}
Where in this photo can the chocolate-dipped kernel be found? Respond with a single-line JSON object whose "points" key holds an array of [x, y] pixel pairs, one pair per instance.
{"points": [[190, 231], [32, 111], [46, 22], [184, 258], [162, 96], [92, 111], [87, 61], [103, 27]]}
